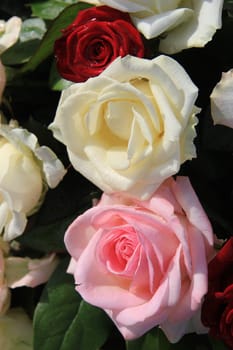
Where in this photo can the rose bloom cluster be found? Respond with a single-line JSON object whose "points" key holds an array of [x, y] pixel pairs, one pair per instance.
{"points": [[128, 123], [128, 130], [27, 171]]}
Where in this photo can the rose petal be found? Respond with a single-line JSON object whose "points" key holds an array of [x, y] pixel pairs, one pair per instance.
{"points": [[222, 100], [155, 25], [29, 272]]}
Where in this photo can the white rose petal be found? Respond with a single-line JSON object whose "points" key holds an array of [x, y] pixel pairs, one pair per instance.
{"points": [[222, 100], [183, 24], [155, 25], [131, 127], [9, 32], [206, 19], [52, 167]]}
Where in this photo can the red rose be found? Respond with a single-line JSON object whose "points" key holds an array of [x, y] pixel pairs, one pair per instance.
{"points": [[96, 37], [217, 309]]}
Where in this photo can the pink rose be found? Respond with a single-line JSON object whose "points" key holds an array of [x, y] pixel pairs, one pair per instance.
{"points": [[144, 262]]}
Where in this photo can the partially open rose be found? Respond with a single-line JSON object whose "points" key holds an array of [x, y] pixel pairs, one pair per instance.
{"points": [[181, 24], [26, 172], [131, 127], [95, 38], [144, 262]]}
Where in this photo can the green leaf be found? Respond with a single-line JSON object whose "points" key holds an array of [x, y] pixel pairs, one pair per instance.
{"points": [[57, 83], [217, 344], [228, 3], [63, 322], [156, 340], [20, 53], [47, 238], [152, 340], [46, 46], [56, 310], [31, 33], [48, 9], [89, 330]]}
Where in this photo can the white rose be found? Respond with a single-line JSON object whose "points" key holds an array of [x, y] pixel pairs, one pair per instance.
{"points": [[184, 24], [26, 171], [221, 100], [9, 32], [131, 127]]}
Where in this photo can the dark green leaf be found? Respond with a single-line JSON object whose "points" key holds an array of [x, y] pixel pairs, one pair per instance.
{"points": [[228, 4], [153, 340], [46, 46], [63, 322], [56, 310], [156, 340], [56, 82], [47, 238], [89, 329], [20, 53], [46, 229], [217, 344]]}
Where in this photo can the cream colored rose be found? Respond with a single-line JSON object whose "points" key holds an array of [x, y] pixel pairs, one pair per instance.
{"points": [[131, 127], [9, 32], [221, 100], [181, 24], [26, 171]]}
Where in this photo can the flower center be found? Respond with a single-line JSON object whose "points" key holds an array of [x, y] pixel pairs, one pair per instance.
{"points": [[118, 251], [96, 49]]}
